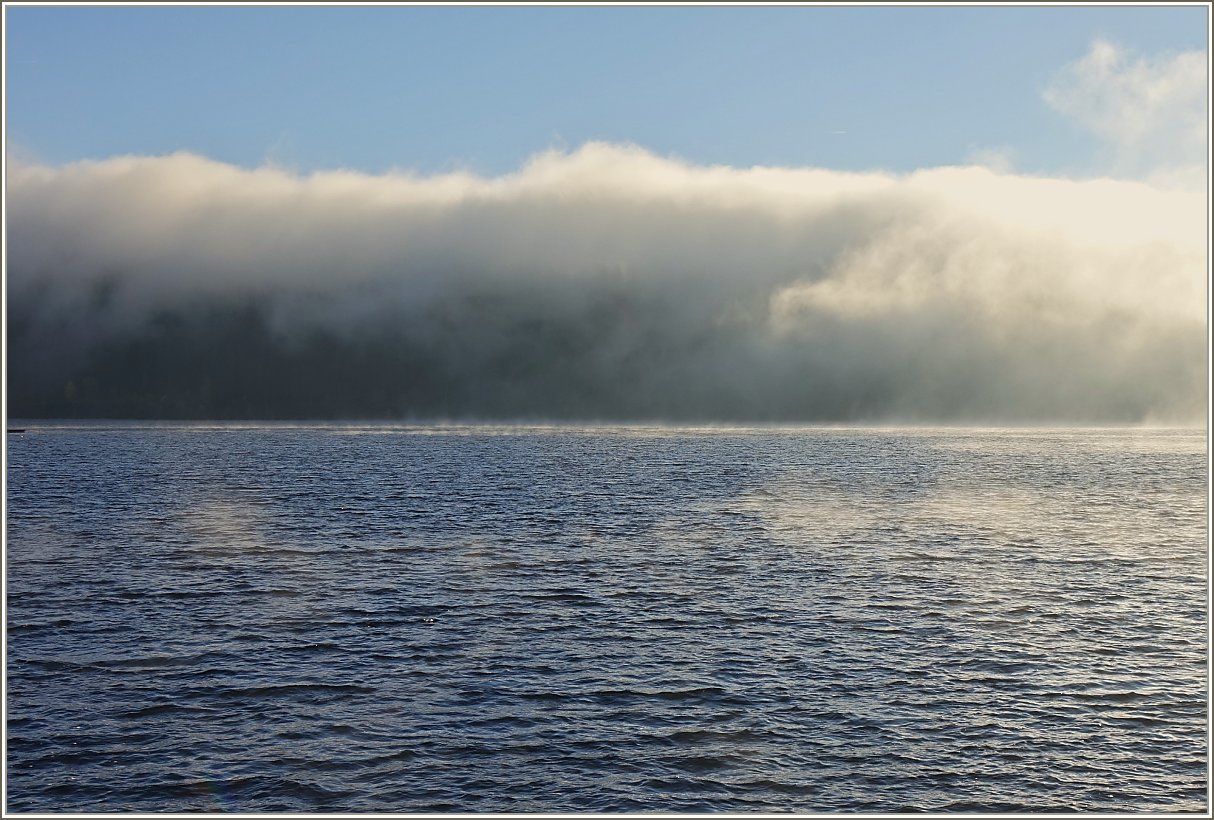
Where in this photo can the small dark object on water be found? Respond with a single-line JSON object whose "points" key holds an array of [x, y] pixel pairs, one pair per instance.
{"points": [[15, 430]]}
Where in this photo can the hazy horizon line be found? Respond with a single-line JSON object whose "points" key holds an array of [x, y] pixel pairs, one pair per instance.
{"points": [[437, 423]]}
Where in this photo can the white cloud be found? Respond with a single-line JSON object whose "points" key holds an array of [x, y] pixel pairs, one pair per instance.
{"points": [[1150, 111], [999, 159]]}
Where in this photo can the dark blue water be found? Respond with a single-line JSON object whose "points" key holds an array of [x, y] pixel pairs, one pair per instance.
{"points": [[277, 618]]}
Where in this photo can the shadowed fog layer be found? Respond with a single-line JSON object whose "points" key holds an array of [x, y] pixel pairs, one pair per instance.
{"points": [[606, 283]]}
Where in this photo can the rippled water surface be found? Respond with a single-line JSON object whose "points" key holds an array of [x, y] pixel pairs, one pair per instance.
{"points": [[344, 618]]}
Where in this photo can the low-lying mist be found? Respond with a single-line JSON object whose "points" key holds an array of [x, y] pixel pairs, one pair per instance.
{"points": [[603, 284]]}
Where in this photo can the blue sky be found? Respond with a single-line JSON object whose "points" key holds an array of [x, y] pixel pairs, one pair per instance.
{"points": [[440, 88]]}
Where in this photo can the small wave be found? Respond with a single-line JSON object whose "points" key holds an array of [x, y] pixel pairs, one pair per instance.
{"points": [[578, 598], [166, 709], [700, 763], [694, 736], [694, 693], [780, 787], [251, 792], [151, 661], [41, 625], [289, 690]]}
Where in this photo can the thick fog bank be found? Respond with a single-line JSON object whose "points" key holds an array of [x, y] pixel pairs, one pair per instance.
{"points": [[602, 284]]}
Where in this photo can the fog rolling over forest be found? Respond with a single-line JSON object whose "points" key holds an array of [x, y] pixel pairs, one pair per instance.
{"points": [[606, 283]]}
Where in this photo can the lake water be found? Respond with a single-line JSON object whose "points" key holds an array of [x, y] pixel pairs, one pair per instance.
{"points": [[560, 619]]}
